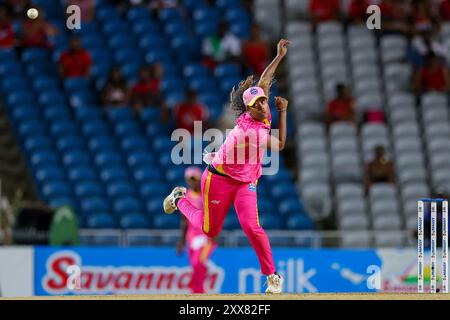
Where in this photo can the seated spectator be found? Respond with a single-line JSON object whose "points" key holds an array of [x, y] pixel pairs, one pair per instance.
{"points": [[324, 10], [189, 111], [433, 76], [87, 8], [35, 32], [422, 16], [147, 92], [7, 36], [115, 92], [357, 11], [380, 169], [221, 47], [424, 43], [18, 8], [75, 62], [341, 108], [444, 10], [255, 52], [394, 17]]}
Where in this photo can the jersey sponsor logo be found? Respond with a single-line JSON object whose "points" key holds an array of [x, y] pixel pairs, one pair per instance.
{"points": [[252, 187]]}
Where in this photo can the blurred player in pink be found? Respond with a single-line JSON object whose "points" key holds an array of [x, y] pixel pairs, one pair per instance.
{"points": [[199, 245], [233, 172]]}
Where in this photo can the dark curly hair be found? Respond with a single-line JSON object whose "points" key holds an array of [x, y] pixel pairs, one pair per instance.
{"points": [[236, 101]]}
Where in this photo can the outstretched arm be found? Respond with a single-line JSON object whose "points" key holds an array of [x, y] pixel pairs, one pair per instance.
{"points": [[275, 143], [267, 76]]}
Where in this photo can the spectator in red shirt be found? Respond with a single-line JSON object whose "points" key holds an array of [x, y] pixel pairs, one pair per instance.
{"points": [[147, 92], [432, 77], [255, 51], [422, 16], [357, 11], [7, 36], [75, 62], [444, 10], [115, 92], [341, 108], [35, 32], [189, 111], [394, 17], [324, 10]]}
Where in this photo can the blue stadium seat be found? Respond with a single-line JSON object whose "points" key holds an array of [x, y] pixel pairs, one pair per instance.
{"points": [[82, 174], [119, 114], [88, 189], [117, 189], [87, 113], [100, 221], [151, 189], [31, 128], [195, 70], [132, 144], [7, 67], [106, 13], [14, 83], [114, 27], [63, 128], [102, 143], [37, 143], [44, 84], [150, 114], [93, 205], [138, 159], [70, 143], [76, 158], [266, 204], [8, 55], [283, 190], [49, 173], [151, 41], [165, 160], [175, 174], [20, 98], [94, 128], [57, 113], [211, 100], [290, 206], [75, 84], [173, 85], [203, 84], [130, 70], [206, 28], [44, 157], [126, 204], [228, 4], [122, 43], [227, 83], [134, 221], [126, 128], [147, 174], [162, 144], [108, 158], [169, 15], [154, 205], [270, 221], [52, 97], [299, 222], [137, 13], [227, 70], [206, 14], [34, 55], [24, 113], [162, 56], [113, 173], [56, 189], [163, 221], [81, 98]]}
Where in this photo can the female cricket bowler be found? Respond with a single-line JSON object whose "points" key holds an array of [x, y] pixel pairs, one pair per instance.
{"points": [[225, 182], [198, 245]]}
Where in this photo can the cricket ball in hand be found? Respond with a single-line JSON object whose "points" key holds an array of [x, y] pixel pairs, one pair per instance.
{"points": [[32, 13]]}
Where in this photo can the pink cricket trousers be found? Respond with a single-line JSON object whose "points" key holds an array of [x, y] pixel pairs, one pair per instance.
{"points": [[218, 193], [198, 258]]}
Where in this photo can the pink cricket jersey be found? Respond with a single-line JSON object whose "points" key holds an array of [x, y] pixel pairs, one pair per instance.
{"points": [[241, 154]]}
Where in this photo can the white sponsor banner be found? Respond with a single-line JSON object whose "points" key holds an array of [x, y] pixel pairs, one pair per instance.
{"points": [[16, 272]]}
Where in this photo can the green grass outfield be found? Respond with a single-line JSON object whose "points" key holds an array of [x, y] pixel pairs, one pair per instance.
{"points": [[304, 296]]}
